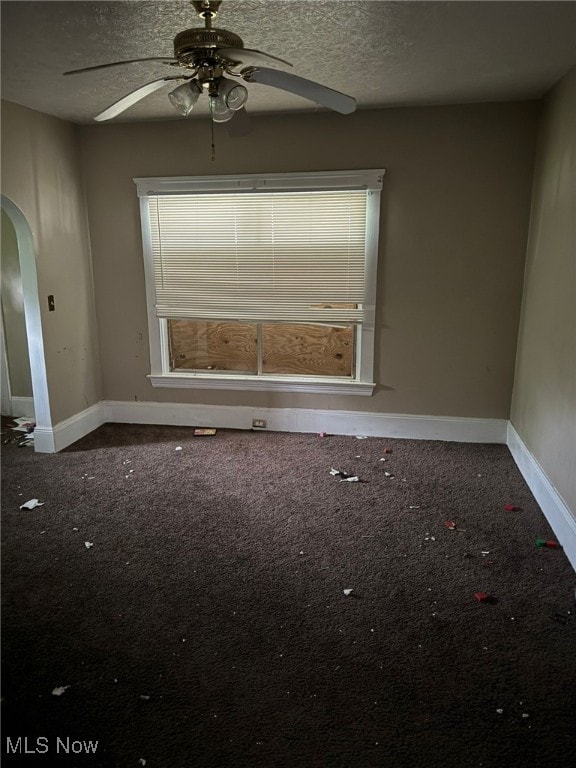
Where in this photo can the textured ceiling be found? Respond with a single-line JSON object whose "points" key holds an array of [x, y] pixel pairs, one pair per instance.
{"points": [[382, 53]]}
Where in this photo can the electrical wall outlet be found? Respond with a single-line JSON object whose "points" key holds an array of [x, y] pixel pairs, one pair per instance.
{"points": [[258, 423]]}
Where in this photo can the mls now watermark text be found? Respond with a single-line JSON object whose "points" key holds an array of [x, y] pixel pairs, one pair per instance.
{"points": [[41, 745]]}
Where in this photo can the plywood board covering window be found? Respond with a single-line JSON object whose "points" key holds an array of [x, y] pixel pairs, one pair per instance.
{"points": [[287, 348]]}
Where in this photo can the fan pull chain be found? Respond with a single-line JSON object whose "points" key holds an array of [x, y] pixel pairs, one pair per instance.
{"points": [[212, 135]]}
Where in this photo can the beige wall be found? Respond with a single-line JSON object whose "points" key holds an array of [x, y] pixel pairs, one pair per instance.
{"points": [[13, 313], [453, 238], [41, 174], [544, 402]]}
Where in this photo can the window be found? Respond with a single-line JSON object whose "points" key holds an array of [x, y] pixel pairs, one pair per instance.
{"points": [[262, 281]]}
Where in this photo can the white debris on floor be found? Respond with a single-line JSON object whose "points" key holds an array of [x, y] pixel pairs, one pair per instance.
{"points": [[32, 504], [59, 690]]}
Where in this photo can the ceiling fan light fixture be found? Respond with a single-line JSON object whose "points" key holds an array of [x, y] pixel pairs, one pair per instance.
{"points": [[233, 94], [185, 97], [237, 97], [226, 97], [219, 110]]}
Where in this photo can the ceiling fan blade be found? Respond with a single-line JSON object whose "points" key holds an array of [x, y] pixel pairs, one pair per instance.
{"points": [[327, 97], [239, 125], [133, 97], [166, 59], [249, 56]]}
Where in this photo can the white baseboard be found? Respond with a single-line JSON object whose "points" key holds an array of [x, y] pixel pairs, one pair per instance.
{"points": [[52, 440], [22, 406], [309, 420], [458, 429], [561, 519]]}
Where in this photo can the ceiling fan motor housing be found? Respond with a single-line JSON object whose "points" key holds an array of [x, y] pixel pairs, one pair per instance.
{"points": [[198, 39]]}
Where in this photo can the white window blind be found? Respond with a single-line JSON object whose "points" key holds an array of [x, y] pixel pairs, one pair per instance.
{"points": [[260, 256]]}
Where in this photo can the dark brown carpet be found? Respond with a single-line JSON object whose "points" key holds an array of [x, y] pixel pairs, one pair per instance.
{"points": [[208, 627]]}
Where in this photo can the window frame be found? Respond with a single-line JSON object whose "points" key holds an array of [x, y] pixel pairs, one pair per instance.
{"points": [[362, 383]]}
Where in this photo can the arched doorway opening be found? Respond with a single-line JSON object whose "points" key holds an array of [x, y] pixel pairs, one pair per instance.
{"points": [[33, 322]]}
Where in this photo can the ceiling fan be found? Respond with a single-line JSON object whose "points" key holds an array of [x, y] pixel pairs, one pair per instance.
{"points": [[205, 55]]}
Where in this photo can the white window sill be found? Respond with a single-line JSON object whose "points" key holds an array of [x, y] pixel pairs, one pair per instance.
{"points": [[326, 386]]}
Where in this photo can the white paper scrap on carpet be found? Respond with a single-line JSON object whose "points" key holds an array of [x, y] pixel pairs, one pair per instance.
{"points": [[32, 504], [59, 690]]}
